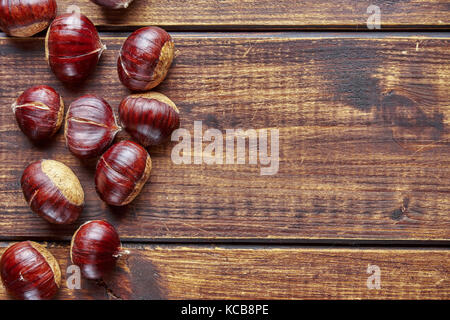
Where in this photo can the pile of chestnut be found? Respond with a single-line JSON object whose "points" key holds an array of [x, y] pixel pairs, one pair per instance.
{"points": [[51, 189]]}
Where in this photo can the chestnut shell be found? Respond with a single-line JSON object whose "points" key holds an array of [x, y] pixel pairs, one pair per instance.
{"points": [[90, 126], [29, 271], [72, 47], [95, 248], [39, 112], [145, 58], [122, 172], [24, 18], [52, 191], [149, 118]]}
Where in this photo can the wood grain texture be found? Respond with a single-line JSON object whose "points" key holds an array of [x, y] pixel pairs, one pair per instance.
{"points": [[204, 272], [265, 14], [364, 139]]}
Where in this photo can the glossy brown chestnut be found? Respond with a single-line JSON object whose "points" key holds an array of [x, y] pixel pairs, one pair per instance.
{"points": [[122, 172], [95, 248], [29, 271], [150, 118], [90, 126], [72, 47], [145, 58], [39, 112], [113, 4], [24, 18], [53, 191]]}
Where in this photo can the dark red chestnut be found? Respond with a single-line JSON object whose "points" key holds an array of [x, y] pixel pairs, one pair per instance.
{"points": [[90, 126], [113, 4], [29, 271], [72, 47], [24, 18], [53, 191], [150, 118], [39, 112], [145, 58], [95, 248], [121, 173]]}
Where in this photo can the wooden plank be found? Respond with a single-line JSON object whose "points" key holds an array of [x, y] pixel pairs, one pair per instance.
{"points": [[364, 127], [200, 272], [264, 14]]}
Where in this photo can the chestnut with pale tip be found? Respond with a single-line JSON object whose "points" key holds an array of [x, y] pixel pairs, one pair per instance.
{"points": [[150, 118], [95, 248], [53, 191], [145, 58], [29, 271], [72, 47], [39, 112], [113, 4], [24, 18], [90, 126], [122, 172]]}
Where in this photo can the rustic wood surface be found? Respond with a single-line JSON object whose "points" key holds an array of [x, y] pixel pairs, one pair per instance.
{"points": [[265, 14], [364, 139], [237, 272], [363, 120]]}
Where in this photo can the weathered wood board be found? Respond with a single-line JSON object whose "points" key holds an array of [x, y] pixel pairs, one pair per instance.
{"points": [[237, 272], [363, 120], [363, 126], [265, 14]]}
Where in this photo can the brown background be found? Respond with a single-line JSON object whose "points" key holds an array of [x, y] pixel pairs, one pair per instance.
{"points": [[364, 168]]}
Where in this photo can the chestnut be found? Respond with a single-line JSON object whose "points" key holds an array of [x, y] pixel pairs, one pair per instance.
{"points": [[145, 58], [24, 18], [122, 172], [53, 191], [113, 4], [29, 271], [150, 118], [95, 248], [72, 47], [90, 126], [39, 112]]}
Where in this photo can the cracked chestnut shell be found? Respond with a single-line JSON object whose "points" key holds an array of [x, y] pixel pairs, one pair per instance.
{"points": [[39, 112], [145, 58], [53, 191], [95, 248], [72, 47], [113, 4], [90, 126], [29, 271], [122, 172], [24, 18], [150, 118]]}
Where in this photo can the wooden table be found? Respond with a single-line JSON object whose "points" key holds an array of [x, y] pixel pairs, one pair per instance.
{"points": [[364, 170]]}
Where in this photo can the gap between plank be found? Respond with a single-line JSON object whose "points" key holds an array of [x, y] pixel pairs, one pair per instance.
{"points": [[304, 243]]}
